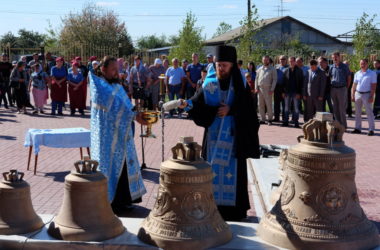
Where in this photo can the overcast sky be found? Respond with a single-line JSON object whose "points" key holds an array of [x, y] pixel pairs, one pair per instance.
{"points": [[145, 17]]}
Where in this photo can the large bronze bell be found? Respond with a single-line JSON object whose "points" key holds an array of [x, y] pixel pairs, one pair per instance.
{"points": [[17, 215], [318, 207], [185, 215], [85, 214]]}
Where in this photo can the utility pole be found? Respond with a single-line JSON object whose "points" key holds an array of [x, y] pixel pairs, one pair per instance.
{"points": [[249, 17], [249, 8]]}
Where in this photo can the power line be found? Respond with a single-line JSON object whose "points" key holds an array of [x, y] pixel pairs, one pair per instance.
{"points": [[176, 15], [280, 9]]}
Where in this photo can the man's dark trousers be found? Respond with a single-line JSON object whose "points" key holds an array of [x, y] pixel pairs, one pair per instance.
{"points": [[279, 103]]}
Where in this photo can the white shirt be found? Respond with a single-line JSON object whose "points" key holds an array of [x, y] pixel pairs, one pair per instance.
{"points": [[364, 80]]}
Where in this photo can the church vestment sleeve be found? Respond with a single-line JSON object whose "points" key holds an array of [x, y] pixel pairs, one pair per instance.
{"points": [[203, 114]]}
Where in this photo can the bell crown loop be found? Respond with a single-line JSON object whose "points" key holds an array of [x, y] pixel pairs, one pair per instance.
{"points": [[13, 176], [86, 166], [187, 150], [323, 129]]}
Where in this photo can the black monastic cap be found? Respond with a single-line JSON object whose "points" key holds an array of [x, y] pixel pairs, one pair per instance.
{"points": [[226, 54]]}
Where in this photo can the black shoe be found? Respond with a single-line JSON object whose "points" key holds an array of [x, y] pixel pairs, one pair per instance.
{"points": [[371, 133], [276, 120], [350, 116], [296, 125], [6, 107], [285, 124], [262, 122], [52, 113], [356, 131], [60, 113]]}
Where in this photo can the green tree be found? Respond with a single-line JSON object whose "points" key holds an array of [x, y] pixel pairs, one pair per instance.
{"points": [[152, 42], [30, 39], [10, 38], [222, 28], [366, 39], [24, 39], [248, 49], [52, 37], [190, 39], [95, 26], [173, 40]]}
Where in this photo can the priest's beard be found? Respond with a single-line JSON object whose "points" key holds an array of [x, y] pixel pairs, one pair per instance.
{"points": [[223, 75]]}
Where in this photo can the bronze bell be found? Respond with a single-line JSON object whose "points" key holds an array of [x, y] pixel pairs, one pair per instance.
{"points": [[185, 215], [85, 214], [318, 205], [17, 215]]}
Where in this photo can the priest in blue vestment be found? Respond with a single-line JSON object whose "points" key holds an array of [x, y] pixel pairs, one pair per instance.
{"points": [[225, 108], [112, 142]]}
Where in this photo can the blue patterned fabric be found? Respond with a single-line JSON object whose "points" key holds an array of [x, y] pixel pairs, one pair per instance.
{"points": [[112, 141], [220, 142]]}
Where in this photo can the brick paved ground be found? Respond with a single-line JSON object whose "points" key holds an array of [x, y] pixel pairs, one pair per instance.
{"points": [[54, 164]]}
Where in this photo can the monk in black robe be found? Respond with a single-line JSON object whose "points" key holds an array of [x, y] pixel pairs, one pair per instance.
{"points": [[245, 128]]}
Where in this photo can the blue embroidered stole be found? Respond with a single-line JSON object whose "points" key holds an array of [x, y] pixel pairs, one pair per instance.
{"points": [[220, 142]]}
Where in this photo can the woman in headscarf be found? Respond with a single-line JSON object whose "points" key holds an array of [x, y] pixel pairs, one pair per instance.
{"points": [[75, 79], [18, 80], [84, 70], [58, 92], [39, 80]]}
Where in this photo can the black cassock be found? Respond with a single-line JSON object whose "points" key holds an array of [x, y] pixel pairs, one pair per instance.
{"points": [[246, 137]]}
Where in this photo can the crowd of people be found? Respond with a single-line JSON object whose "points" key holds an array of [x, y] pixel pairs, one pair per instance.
{"points": [[20, 78], [291, 87]]}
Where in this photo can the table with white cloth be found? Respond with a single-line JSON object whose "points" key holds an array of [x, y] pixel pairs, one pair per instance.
{"points": [[56, 138]]}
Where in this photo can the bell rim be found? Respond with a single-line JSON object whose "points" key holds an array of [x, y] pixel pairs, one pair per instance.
{"points": [[117, 226]]}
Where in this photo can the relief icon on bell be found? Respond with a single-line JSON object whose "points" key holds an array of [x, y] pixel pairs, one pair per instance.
{"points": [[319, 206], [185, 215]]}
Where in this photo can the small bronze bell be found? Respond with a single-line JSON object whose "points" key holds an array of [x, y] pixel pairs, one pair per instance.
{"points": [[318, 205], [185, 215], [85, 214], [17, 215]]}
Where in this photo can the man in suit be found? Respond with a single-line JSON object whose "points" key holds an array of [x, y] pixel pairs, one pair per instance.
{"points": [[292, 91], [314, 89]]}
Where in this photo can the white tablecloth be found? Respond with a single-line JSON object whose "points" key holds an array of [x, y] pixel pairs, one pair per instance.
{"points": [[57, 138]]}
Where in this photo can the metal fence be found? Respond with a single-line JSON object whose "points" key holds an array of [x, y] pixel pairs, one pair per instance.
{"points": [[84, 51]]}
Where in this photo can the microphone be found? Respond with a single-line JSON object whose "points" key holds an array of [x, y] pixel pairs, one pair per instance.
{"points": [[172, 105]]}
